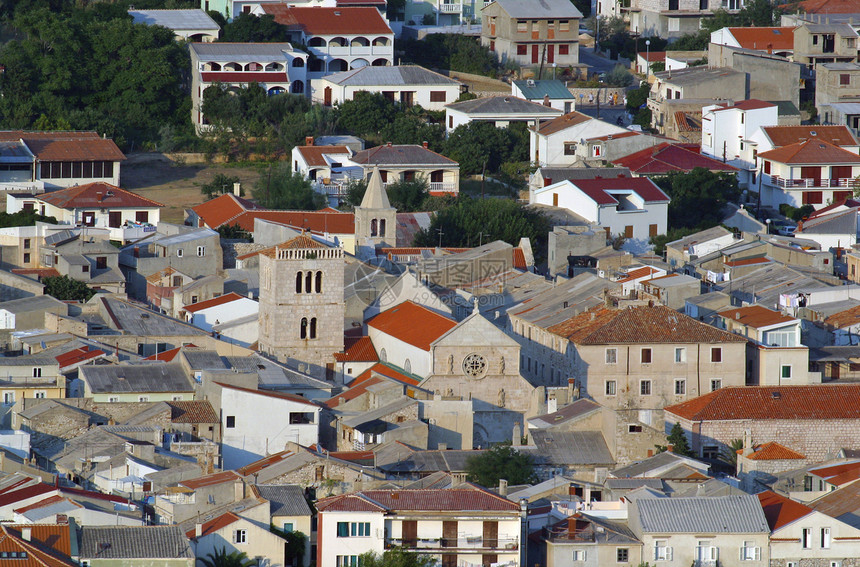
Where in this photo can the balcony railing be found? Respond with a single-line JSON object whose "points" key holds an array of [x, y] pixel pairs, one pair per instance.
{"points": [[808, 183], [450, 8], [443, 187], [464, 542]]}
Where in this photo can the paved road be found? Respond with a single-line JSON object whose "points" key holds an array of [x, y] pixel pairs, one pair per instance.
{"points": [[597, 63]]}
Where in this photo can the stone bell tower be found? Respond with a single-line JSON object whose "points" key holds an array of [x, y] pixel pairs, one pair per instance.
{"points": [[375, 219]]}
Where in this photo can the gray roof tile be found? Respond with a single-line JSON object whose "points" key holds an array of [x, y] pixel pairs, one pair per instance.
{"points": [[725, 514], [134, 542], [285, 499]]}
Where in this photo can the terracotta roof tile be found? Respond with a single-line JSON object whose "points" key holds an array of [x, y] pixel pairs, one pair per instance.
{"points": [[846, 318], [358, 349], [313, 155], [639, 325], [413, 324], [562, 122], [166, 356], [811, 152], [38, 272], [773, 451], [215, 212], [599, 189], [755, 316], [768, 39], [638, 274], [41, 503], [192, 411], [822, 401], [214, 302], [265, 462], [48, 546], [667, 157], [96, 195], [317, 221], [270, 394], [831, 472], [78, 355], [302, 241], [210, 480], [825, 6], [520, 259], [785, 135], [780, 510], [747, 262], [213, 525], [327, 21], [368, 378], [66, 146]]}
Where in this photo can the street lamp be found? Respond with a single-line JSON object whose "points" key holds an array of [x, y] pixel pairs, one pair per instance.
{"points": [[647, 59], [554, 65]]}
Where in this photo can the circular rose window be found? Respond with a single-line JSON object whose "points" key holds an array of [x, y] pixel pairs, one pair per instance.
{"points": [[475, 365]]}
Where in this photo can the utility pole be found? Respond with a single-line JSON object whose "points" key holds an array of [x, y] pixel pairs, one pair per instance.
{"points": [[439, 230]]}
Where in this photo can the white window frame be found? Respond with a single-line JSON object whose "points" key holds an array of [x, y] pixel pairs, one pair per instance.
{"points": [[718, 382], [826, 540], [579, 555], [806, 538], [614, 387], [680, 355], [40, 394], [614, 352], [641, 387], [201, 251], [782, 372], [683, 383], [240, 536], [662, 552], [179, 252], [750, 552]]}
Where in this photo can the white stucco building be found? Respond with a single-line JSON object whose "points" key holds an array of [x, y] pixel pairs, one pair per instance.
{"points": [[554, 143], [726, 131], [634, 207], [407, 85], [258, 423]]}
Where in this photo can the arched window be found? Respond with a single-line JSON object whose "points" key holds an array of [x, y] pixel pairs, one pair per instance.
{"points": [[373, 227], [407, 366], [319, 282], [297, 87], [313, 333], [298, 282], [383, 356], [381, 227], [309, 282], [303, 330], [297, 62]]}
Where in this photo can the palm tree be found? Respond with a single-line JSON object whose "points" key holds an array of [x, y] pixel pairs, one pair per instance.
{"points": [[223, 559]]}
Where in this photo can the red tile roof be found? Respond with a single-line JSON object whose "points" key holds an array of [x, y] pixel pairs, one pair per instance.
{"points": [[218, 211], [48, 545], [848, 317], [598, 189], [24, 493], [750, 104], [313, 155], [96, 195], [822, 401], [639, 325], [614, 137], [768, 39], [329, 21], [825, 6], [210, 480], [41, 503], [520, 259], [562, 122], [213, 525], [78, 355], [66, 146], [265, 462], [667, 157], [756, 316], [652, 56], [773, 451], [811, 152], [316, 221], [214, 302], [38, 272], [357, 349], [270, 394], [838, 475], [785, 135], [166, 356], [781, 511], [638, 274], [847, 203], [430, 500], [413, 324], [366, 379], [192, 411]]}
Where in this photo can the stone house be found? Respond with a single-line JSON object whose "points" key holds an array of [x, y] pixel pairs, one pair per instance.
{"points": [[814, 420], [396, 421], [672, 290], [589, 541], [837, 91], [701, 83], [85, 258], [136, 383], [288, 510], [670, 18], [193, 497], [238, 533], [816, 43], [529, 34]]}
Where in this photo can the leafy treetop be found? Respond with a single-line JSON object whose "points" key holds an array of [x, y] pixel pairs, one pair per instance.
{"points": [[500, 462]]}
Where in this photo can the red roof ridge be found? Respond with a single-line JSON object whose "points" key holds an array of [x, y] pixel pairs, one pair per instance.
{"points": [[213, 525], [270, 394], [413, 324], [214, 302], [781, 511]]}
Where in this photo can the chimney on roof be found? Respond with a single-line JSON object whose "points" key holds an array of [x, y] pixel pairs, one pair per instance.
{"points": [[747, 447], [136, 252], [546, 100], [425, 144], [237, 189], [26, 533], [198, 529], [503, 487], [388, 144], [309, 140], [99, 196]]}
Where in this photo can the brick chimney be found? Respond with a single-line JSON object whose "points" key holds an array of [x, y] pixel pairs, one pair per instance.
{"points": [[309, 140], [198, 529], [425, 144], [26, 533]]}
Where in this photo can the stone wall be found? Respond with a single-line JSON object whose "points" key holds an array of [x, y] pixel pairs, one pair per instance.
{"points": [[233, 248]]}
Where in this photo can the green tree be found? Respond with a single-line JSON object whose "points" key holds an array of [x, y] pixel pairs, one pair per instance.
{"points": [[455, 52], [469, 221], [479, 146], [355, 191], [619, 77], [661, 240], [65, 288], [25, 217], [220, 558], [396, 557], [220, 184], [234, 232], [730, 455], [584, 7], [284, 190], [696, 41], [500, 462], [678, 441], [698, 197], [366, 114], [408, 196], [248, 28]]}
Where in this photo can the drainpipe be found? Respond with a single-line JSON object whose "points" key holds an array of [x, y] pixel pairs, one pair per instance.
{"points": [[524, 530]]}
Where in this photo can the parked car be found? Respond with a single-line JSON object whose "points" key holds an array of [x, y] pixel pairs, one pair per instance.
{"points": [[783, 227]]}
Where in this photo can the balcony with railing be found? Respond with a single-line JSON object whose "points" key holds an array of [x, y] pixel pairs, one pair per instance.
{"points": [[810, 183], [32, 381], [458, 543], [450, 8]]}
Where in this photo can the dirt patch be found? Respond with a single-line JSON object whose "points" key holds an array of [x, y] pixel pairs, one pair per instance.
{"points": [[177, 186]]}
